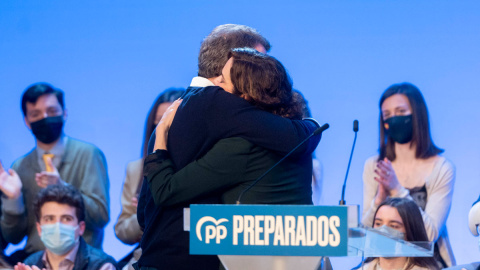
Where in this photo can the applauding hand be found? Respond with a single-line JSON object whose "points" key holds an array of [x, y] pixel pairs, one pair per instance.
{"points": [[45, 179], [10, 183], [386, 176]]}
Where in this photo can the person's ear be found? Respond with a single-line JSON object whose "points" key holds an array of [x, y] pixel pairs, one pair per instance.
{"points": [[39, 229], [217, 80], [81, 228]]}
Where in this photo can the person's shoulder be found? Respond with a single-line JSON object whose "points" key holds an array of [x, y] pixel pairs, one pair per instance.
{"points": [[371, 160], [99, 254], [442, 164], [95, 251], [202, 97], [135, 168], [444, 161], [34, 258], [133, 165], [212, 94], [197, 91], [30, 156], [80, 146]]}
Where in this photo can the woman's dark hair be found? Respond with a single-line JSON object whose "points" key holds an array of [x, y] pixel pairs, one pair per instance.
{"points": [[169, 95], [414, 228], [62, 194], [34, 91], [421, 136], [303, 103], [263, 81]]}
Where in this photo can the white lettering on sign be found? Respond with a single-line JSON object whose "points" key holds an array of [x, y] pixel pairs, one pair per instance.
{"points": [[217, 232], [284, 230]]}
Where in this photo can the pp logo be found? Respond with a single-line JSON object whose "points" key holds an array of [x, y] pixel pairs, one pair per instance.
{"points": [[212, 232]]}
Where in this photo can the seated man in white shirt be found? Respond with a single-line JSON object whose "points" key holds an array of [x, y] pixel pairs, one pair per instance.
{"points": [[60, 215]]}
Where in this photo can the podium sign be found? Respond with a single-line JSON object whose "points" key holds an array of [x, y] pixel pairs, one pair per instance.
{"points": [[280, 230]]}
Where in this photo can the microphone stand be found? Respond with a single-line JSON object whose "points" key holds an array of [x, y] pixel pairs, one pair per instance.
{"points": [[355, 129]]}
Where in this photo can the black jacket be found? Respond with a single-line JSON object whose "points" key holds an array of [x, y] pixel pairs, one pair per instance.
{"points": [[206, 115]]}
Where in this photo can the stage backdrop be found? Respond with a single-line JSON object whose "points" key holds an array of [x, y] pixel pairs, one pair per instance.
{"points": [[112, 58]]}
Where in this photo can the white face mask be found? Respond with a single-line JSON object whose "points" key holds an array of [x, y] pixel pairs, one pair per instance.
{"points": [[391, 232], [58, 238]]}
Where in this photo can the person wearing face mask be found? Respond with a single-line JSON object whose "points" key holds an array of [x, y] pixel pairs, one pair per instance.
{"points": [[56, 159], [127, 228], [400, 218], [60, 222], [410, 166]]}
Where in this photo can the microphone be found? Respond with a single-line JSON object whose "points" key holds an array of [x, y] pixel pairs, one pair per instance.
{"points": [[318, 131], [355, 129]]}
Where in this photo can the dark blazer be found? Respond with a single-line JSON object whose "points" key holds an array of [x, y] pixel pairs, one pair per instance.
{"points": [[225, 171], [206, 115], [87, 258]]}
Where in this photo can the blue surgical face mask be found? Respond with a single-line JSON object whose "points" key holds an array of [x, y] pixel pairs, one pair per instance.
{"points": [[391, 232], [58, 238]]}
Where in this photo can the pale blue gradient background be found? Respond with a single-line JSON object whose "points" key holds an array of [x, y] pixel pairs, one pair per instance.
{"points": [[112, 58]]}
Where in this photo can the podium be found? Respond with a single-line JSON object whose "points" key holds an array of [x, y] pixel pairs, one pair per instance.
{"points": [[284, 237]]}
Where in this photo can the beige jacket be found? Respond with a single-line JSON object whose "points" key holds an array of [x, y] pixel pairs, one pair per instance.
{"points": [[439, 185], [127, 228]]}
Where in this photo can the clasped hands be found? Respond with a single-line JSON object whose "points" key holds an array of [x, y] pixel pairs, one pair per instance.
{"points": [[387, 180]]}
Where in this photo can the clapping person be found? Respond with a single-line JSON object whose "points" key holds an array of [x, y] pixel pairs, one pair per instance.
{"points": [[410, 166], [56, 159]]}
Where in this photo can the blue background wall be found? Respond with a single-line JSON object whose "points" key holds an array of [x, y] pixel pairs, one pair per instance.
{"points": [[112, 58]]}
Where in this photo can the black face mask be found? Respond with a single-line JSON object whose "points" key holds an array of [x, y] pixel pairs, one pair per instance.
{"points": [[399, 128], [48, 129]]}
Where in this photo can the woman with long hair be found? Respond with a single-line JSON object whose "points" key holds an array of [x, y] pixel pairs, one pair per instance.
{"points": [[410, 166], [127, 228], [404, 217]]}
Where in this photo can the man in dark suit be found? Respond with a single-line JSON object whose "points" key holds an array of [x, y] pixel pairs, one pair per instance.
{"points": [[208, 114]]}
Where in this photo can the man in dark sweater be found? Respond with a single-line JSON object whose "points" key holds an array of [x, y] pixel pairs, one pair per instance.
{"points": [[208, 114], [60, 215]]}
